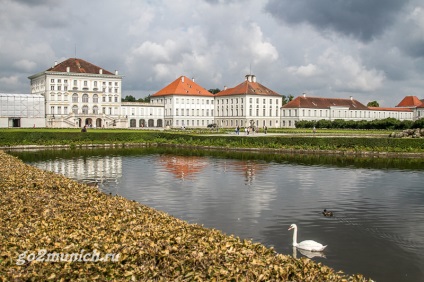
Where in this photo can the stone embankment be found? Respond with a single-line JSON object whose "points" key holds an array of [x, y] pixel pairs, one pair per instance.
{"points": [[409, 133], [51, 227]]}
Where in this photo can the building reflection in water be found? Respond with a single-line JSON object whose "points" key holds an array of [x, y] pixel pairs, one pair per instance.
{"points": [[89, 170], [183, 167], [250, 169]]}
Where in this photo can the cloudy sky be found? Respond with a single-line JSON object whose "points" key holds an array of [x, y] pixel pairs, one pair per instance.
{"points": [[368, 49]]}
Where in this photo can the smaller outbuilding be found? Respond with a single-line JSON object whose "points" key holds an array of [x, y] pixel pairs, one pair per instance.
{"points": [[22, 110]]}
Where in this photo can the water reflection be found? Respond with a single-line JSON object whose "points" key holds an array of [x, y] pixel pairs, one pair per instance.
{"points": [[308, 254], [90, 170], [378, 204], [182, 166]]}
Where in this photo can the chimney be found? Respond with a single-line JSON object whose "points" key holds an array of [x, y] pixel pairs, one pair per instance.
{"points": [[304, 94], [225, 87], [182, 79], [193, 79], [254, 78], [116, 72], [68, 69], [100, 71], [55, 63], [351, 98], [249, 77]]}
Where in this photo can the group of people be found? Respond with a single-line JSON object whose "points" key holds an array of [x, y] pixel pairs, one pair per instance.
{"points": [[250, 130]]}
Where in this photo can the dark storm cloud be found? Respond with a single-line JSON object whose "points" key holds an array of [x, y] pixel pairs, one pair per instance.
{"points": [[362, 19]]}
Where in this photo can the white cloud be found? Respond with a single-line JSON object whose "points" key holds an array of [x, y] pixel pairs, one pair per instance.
{"points": [[309, 70], [218, 42], [25, 65], [346, 73]]}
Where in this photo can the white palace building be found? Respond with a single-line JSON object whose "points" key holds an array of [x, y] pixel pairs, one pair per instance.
{"points": [[75, 93]]}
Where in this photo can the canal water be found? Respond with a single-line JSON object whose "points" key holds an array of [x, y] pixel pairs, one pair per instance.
{"points": [[378, 224]]}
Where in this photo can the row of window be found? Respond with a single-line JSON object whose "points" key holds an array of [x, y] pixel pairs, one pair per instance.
{"points": [[65, 88], [191, 122], [187, 101], [84, 98], [237, 113], [186, 112], [236, 101], [85, 82], [343, 114], [84, 110]]}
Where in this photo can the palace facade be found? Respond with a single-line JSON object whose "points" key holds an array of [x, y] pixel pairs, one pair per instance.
{"points": [[75, 93]]}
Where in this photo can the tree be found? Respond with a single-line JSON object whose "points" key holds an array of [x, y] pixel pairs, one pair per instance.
{"points": [[145, 99], [287, 99], [128, 98], [373, 104], [214, 91]]}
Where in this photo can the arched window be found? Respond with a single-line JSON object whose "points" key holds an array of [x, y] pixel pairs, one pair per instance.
{"points": [[133, 123], [85, 110], [75, 98], [95, 110], [85, 98], [75, 109], [95, 98]]}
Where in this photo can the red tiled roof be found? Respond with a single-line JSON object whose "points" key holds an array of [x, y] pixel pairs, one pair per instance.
{"points": [[183, 86], [324, 103], [390, 109], [78, 66], [248, 87], [410, 102]]}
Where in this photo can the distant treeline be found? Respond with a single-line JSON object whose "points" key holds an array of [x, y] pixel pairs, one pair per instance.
{"points": [[388, 123]]}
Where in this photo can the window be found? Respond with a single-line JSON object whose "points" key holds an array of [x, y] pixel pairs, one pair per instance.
{"points": [[85, 82], [52, 110], [95, 110], [95, 98], [85, 98], [59, 110], [65, 88], [65, 110], [116, 83], [116, 99], [52, 97], [52, 80], [75, 109], [75, 98], [95, 83], [85, 110], [59, 88], [104, 99], [52, 87], [110, 98], [75, 83], [59, 97]]}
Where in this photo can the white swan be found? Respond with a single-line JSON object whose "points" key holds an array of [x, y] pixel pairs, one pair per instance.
{"points": [[308, 245]]}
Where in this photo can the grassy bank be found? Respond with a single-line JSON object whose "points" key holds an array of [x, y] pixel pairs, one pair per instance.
{"points": [[44, 211], [321, 141]]}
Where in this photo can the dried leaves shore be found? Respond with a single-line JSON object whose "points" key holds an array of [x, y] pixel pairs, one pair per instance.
{"points": [[42, 210]]}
